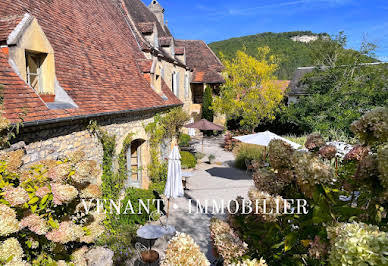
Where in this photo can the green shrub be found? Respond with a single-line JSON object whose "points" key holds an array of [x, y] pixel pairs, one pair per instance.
{"points": [[357, 244], [199, 155], [188, 160], [120, 242], [299, 140], [133, 195], [184, 140], [249, 152], [158, 186], [207, 102]]}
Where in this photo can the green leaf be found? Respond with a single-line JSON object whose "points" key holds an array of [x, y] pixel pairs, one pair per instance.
{"points": [[290, 241], [33, 200], [33, 208]]}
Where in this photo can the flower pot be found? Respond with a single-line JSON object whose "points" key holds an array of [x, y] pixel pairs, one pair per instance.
{"points": [[48, 98], [150, 257]]}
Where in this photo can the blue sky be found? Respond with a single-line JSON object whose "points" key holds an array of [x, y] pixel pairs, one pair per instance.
{"points": [[213, 20]]}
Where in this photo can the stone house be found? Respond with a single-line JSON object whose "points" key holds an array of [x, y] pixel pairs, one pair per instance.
{"points": [[186, 66], [64, 63]]}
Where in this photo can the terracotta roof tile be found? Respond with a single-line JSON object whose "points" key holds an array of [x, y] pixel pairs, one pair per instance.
{"points": [[165, 41], [145, 65], [201, 58], [141, 13], [7, 25], [199, 55], [96, 63], [146, 27], [207, 76]]}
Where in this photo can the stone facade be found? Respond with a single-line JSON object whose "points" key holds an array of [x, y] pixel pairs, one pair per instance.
{"points": [[42, 143]]}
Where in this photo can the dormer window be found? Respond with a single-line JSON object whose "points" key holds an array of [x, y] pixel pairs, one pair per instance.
{"points": [[34, 62]]}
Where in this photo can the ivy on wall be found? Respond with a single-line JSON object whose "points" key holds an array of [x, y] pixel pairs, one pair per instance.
{"points": [[163, 127]]}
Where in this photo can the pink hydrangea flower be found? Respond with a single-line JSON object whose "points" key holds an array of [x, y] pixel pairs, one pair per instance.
{"points": [[15, 196], [35, 224], [63, 193], [8, 222], [67, 232], [43, 191]]}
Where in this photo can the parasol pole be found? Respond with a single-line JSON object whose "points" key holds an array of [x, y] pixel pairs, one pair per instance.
{"points": [[203, 135], [168, 200]]}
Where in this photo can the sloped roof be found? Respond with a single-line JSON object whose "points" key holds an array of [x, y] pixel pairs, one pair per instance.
{"points": [[140, 13], [282, 84], [146, 27], [207, 76], [96, 63], [7, 25], [201, 58], [295, 87]]}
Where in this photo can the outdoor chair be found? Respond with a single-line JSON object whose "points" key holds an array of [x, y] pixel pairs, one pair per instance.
{"points": [[249, 166]]}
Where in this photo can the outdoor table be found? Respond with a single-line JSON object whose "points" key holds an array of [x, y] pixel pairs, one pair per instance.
{"points": [[186, 175], [153, 232]]}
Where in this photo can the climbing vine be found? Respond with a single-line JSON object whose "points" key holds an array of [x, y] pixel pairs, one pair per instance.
{"points": [[112, 183], [123, 156], [163, 127]]}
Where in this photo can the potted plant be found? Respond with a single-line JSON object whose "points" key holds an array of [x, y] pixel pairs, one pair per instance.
{"points": [[150, 257], [211, 157]]}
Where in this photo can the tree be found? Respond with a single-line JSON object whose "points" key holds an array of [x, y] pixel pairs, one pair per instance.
{"points": [[341, 92], [207, 102], [249, 92]]}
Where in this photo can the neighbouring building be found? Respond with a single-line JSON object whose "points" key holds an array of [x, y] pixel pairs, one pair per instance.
{"points": [[186, 66], [207, 72], [65, 63], [297, 88]]}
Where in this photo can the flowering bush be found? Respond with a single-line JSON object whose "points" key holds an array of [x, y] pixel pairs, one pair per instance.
{"points": [[271, 204], [357, 244], [328, 152], [267, 180], [226, 242], [183, 251], [229, 142], [372, 128], [354, 188], [248, 152], [249, 262], [41, 216], [279, 154], [314, 142]]}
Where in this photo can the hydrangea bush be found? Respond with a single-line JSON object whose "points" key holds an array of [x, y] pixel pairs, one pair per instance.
{"points": [[226, 242], [182, 250], [357, 244], [347, 201], [42, 219]]}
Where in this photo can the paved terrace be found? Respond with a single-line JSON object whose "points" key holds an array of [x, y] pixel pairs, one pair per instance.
{"points": [[218, 181]]}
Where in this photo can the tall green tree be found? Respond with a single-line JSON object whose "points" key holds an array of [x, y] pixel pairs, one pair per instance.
{"points": [[249, 93], [207, 102], [342, 91]]}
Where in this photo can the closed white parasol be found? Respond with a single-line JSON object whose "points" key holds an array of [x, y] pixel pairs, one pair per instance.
{"points": [[174, 187]]}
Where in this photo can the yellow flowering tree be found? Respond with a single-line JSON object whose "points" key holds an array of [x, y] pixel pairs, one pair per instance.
{"points": [[250, 93]]}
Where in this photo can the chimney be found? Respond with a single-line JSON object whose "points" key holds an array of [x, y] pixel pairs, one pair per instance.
{"points": [[158, 10]]}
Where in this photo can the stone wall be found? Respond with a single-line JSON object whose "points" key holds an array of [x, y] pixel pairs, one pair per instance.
{"points": [[55, 141]]}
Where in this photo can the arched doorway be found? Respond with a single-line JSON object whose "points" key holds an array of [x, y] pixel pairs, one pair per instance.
{"points": [[134, 164]]}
